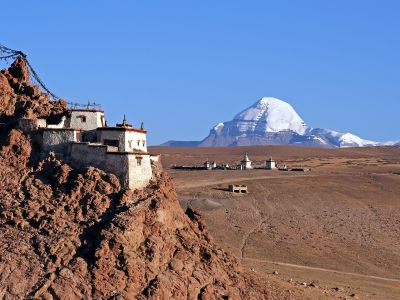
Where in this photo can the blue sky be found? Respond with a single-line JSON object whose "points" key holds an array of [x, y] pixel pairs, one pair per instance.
{"points": [[183, 66]]}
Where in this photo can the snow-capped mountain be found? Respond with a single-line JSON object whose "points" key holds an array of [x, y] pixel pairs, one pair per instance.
{"points": [[268, 115], [271, 121]]}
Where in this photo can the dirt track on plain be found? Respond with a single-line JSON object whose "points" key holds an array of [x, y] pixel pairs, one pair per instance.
{"points": [[338, 224]]}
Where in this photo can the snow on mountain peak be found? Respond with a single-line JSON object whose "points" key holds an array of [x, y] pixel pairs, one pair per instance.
{"points": [[349, 139], [271, 100], [218, 126], [343, 140], [271, 121], [270, 115]]}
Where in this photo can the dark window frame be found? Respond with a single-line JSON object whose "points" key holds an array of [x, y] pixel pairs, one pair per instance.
{"points": [[83, 118]]}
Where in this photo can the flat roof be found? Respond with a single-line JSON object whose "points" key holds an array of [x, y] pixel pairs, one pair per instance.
{"points": [[61, 129], [88, 110], [130, 153], [121, 129]]}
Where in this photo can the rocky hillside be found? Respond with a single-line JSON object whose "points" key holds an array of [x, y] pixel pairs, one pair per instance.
{"points": [[19, 98], [66, 234]]}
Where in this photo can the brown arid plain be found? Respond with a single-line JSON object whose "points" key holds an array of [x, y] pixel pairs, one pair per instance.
{"points": [[333, 232]]}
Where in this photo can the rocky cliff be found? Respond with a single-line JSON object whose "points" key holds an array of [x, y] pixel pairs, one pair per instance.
{"points": [[66, 234]]}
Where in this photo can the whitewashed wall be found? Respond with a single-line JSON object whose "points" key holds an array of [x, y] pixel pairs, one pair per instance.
{"points": [[128, 140], [123, 165], [135, 140], [58, 140], [94, 119], [139, 176]]}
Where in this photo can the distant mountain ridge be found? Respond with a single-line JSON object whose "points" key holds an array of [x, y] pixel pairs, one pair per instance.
{"points": [[271, 121]]}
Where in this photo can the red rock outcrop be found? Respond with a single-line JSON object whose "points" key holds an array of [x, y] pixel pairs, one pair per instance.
{"points": [[19, 98], [66, 234]]}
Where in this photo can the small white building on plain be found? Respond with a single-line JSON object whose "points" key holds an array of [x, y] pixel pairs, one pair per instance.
{"points": [[246, 163], [207, 165], [270, 164]]}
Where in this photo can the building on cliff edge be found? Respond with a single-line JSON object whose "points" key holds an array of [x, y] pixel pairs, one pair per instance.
{"points": [[83, 139]]}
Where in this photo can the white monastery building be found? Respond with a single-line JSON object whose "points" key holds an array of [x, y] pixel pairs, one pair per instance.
{"points": [[83, 139]]}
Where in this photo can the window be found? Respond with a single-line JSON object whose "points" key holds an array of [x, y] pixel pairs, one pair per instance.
{"points": [[138, 161], [144, 143], [130, 144], [138, 143], [114, 143], [83, 118]]}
